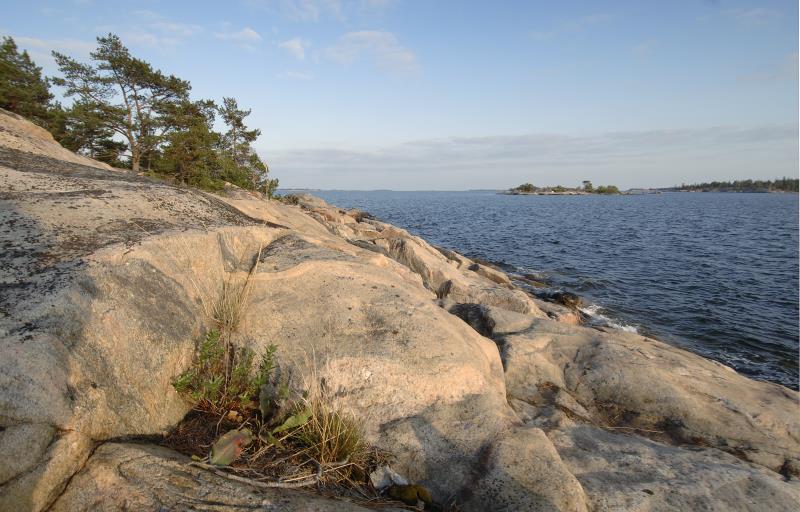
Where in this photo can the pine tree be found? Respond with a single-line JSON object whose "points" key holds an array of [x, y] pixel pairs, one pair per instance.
{"points": [[85, 132], [23, 90], [238, 138], [237, 141], [189, 152], [129, 96]]}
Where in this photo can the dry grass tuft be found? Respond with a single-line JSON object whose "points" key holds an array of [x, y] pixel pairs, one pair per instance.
{"points": [[231, 304], [330, 435]]}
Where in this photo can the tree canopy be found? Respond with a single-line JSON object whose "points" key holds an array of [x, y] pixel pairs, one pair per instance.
{"points": [[125, 92], [778, 185], [23, 89], [587, 188], [129, 114]]}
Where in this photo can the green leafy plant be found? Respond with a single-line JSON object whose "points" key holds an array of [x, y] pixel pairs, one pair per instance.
{"points": [[218, 383]]}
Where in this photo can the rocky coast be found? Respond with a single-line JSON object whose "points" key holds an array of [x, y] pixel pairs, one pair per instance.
{"points": [[489, 397]]}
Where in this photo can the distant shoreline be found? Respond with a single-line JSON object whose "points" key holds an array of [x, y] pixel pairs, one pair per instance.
{"points": [[728, 191], [633, 191], [551, 193]]}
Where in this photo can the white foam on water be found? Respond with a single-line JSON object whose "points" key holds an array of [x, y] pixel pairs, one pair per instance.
{"points": [[593, 311]]}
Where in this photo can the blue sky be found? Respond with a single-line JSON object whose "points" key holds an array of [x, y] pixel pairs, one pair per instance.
{"points": [[365, 94]]}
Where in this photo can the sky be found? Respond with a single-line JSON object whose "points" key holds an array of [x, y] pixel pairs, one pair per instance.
{"points": [[455, 95]]}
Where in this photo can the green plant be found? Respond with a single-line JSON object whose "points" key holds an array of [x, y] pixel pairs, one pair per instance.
{"points": [[218, 383], [265, 368], [290, 199]]}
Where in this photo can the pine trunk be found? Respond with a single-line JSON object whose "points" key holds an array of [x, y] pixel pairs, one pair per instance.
{"points": [[135, 159]]}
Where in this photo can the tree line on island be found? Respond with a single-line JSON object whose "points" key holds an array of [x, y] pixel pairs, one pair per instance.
{"points": [[128, 114], [586, 188], [778, 185]]}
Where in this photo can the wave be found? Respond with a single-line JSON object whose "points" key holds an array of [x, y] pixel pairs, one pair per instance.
{"points": [[596, 317]]}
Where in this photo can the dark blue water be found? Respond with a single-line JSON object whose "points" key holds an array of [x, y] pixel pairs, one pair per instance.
{"points": [[714, 273]]}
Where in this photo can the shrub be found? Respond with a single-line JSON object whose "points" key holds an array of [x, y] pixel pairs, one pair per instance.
{"points": [[290, 199]]}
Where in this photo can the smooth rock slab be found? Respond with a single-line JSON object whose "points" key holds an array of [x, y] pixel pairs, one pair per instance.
{"points": [[654, 389], [624, 472]]}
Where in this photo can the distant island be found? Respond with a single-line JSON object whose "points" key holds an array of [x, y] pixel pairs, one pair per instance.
{"points": [[778, 185], [586, 189], [758, 186]]}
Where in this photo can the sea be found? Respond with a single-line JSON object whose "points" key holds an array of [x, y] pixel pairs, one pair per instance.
{"points": [[714, 273]]}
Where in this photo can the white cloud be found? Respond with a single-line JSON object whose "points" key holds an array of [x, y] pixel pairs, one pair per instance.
{"points": [[244, 36], [383, 48], [296, 46], [295, 75], [149, 28], [627, 159]]}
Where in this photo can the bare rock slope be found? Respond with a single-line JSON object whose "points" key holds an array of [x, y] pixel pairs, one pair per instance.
{"points": [[106, 283]]}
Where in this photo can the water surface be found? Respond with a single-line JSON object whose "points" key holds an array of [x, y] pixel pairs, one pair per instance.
{"points": [[714, 273]]}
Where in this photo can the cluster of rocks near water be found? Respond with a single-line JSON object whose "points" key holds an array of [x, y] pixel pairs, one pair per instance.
{"points": [[490, 398]]}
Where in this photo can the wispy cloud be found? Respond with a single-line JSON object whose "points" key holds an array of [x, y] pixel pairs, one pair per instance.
{"points": [[296, 46], [245, 35], [381, 47], [317, 10], [302, 10], [752, 16], [295, 75], [73, 46], [628, 159], [572, 26], [149, 28], [39, 50], [377, 4], [181, 30]]}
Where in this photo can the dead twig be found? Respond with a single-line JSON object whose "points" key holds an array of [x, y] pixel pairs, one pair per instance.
{"points": [[633, 428], [255, 483]]}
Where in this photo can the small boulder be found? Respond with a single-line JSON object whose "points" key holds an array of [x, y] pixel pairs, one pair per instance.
{"points": [[385, 477]]}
